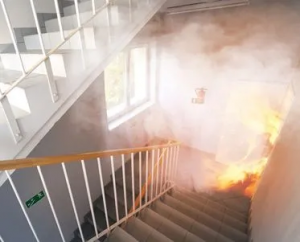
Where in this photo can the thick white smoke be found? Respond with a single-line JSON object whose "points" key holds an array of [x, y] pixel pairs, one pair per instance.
{"points": [[223, 51]]}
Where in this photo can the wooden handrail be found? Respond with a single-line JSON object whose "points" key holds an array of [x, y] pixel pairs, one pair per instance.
{"points": [[50, 160], [148, 181]]}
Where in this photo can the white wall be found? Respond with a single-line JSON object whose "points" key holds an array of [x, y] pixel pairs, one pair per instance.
{"points": [[275, 208]]}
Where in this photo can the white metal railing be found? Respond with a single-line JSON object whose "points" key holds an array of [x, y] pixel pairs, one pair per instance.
{"points": [[105, 8], [11, 121], [158, 179]]}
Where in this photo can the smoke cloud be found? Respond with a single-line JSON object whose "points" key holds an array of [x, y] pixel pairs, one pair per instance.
{"points": [[246, 57]]}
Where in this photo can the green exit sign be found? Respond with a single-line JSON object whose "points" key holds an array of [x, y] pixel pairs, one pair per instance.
{"points": [[36, 198]]}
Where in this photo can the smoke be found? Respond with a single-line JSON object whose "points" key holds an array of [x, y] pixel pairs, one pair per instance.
{"points": [[247, 51]]}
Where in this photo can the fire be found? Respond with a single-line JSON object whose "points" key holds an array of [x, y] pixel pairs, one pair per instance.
{"points": [[244, 174]]}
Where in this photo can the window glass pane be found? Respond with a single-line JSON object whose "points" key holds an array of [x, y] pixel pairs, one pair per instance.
{"points": [[138, 75], [115, 83]]}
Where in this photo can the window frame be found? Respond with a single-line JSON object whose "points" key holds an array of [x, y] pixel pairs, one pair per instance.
{"points": [[114, 114]]}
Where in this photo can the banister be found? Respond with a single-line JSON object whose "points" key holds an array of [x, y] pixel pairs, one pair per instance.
{"points": [[149, 179], [50, 160]]}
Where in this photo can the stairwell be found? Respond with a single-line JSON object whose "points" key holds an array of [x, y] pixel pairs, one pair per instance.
{"points": [[178, 215]]}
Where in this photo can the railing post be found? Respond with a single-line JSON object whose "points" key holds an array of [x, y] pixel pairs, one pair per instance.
{"points": [[157, 172], [11, 120], [21, 205], [140, 176], [72, 200], [132, 181], [87, 186], [124, 185], [114, 185], [50, 77], [103, 193], [81, 36], [152, 172], [50, 203], [147, 175]]}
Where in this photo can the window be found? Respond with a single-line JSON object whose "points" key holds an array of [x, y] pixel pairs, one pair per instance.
{"points": [[127, 82]]}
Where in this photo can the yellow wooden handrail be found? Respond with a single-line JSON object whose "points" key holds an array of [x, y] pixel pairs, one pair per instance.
{"points": [[50, 160], [149, 179]]}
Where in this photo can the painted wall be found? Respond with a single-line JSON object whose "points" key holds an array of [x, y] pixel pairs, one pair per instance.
{"points": [[275, 209], [83, 128]]}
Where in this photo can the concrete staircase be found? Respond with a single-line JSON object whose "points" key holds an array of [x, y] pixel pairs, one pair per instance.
{"points": [[178, 215]]}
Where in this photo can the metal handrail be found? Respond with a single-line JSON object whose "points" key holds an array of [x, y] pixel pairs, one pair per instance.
{"points": [[162, 172], [50, 160]]}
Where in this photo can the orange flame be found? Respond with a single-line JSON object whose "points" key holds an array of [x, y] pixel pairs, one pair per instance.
{"points": [[245, 175]]}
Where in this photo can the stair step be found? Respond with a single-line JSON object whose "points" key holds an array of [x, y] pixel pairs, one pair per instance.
{"points": [[119, 235], [10, 62], [167, 227], [83, 7], [215, 205], [191, 225], [143, 232], [70, 22], [232, 200], [111, 209], [100, 219], [204, 207], [87, 230], [205, 219], [51, 40], [109, 190]]}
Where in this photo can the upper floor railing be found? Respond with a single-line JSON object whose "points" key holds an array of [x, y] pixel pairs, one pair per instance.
{"points": [[148, 172], [61, 60]]}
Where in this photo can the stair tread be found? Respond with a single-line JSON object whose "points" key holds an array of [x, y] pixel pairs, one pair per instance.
{"points": [[215, 204], [143, 232], [109, 190], [205, 219], [111, 209], [88, 231], [119, 235], [218, 215], [100, 219], [188, 223], [167, 227]]}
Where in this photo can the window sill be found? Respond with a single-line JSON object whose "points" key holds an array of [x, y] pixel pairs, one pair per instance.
{"points": [[117, 122]]}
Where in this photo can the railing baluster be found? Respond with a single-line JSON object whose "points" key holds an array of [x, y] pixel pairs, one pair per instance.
{"points": [[146, 175], [140, 176], [152, 172], [132, 181], [162, 170], [103, 192], [50, 77], [93, 7], [72, 200], [89, 196], [114, 185], [167, 166], [124, 184], [12, 35], [1, 240], [174, 163], [171, 164], [157, 172], [50, 203], [177, 157], [21, 205], [80, 32], [59, 20]]}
